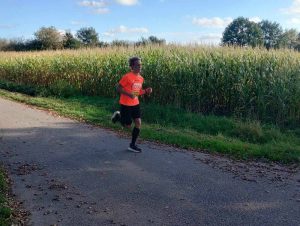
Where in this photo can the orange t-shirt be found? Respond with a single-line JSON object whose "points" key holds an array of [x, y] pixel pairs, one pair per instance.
{"points": [[131, 83]]}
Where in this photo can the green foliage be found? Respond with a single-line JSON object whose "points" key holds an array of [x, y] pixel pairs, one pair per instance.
{"points": [[69, 42], [272, 33], [29, 46], [88, 36], [5, 211], [242, 32], [121, 43], [49, 38], [290, 39], [3, 44], [154, 40], [3, 185], [61, 88], [13, 87], [251, 132], [248, 131], [184, 129], [255, 84], [20, 45], [151, 40]]}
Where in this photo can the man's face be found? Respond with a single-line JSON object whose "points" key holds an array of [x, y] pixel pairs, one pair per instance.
{"points": [[136, 67]]}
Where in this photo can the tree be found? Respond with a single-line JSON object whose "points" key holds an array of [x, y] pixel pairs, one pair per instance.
{"points": [[103, 44], [242, 32], [88, 36], [121, 43], [17, 44], [155, 40], [150, 40], [70, 42], [49, 38], [142, 42], [289, 39], [4, 43], [297, 44], [33, 45], [272, 33]]}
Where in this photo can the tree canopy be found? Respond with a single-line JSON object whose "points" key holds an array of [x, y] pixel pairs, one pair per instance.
{"points": [[88, 36], [272, 33], [242, 32], [49, 38], [289, 39], [70, 42]]}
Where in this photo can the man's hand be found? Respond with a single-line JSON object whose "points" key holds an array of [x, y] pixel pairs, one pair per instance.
{"points": [[131, 95], [120, 89], [148, 90]]}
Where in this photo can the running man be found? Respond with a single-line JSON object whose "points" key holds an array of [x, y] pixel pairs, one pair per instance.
{"points": [[130, 87]]}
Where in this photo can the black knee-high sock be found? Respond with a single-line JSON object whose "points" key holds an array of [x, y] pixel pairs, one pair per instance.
{"points": [[135, 134]]}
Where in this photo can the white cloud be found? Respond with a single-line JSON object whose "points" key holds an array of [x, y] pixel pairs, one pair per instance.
{"points": [[101, 11], [295, 21], [7, 26], [77, 23], [293, 9], [93, 4], [61, 32], [191, 37], [99, 7], [127, 2], [212, 22], [124, 29], [210, 38], [255, 19], [293, 12]]}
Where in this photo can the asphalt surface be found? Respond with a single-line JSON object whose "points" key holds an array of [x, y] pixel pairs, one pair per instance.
{"points": [[70, 173]]}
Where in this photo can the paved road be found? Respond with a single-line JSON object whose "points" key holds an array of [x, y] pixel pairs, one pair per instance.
{"points": [[70, 173]]}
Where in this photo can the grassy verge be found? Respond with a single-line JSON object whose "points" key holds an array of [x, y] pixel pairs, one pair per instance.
{"points": [[166, 124], [5, 211]]}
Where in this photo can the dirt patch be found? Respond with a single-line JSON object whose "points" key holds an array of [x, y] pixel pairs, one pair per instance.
{"points": [[19, 216], [26, 169], [254, 171], [58, 186]]}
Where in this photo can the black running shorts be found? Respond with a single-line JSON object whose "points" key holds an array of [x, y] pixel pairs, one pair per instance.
{"points": [[128, 113]]}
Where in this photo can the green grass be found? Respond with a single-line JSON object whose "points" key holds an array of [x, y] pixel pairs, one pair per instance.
{"points": [[169, 125], [5, 211]]}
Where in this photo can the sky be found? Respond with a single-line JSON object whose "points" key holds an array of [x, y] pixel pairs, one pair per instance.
{"points": [[176, 21]]}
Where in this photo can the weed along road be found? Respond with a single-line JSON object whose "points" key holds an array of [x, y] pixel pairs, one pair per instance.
{"points": [[69, 173]]}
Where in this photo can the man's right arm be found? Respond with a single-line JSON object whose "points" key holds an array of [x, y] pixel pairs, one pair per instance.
{"points": [[121, 90]]}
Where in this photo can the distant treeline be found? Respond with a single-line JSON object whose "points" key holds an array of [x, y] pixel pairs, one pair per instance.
{"points": [[49, 38], [240, 32]]}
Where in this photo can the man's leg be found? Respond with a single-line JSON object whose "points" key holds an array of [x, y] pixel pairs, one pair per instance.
{"points": [[135, 133], [136, 115], [116, 117], [136, 130], [125, 119], [126, 115]]}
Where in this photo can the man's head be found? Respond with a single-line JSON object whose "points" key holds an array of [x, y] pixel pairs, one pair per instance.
{"points": [[135, 64]]}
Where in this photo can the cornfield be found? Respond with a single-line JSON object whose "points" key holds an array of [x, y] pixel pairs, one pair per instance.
{"points": [[249, 83]]}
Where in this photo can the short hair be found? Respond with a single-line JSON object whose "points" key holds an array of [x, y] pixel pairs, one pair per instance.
{"points": [[132, 60]]}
